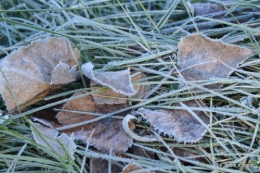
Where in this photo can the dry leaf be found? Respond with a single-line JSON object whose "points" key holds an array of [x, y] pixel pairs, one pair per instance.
{"points": [[132, 167], [29, 70], [47, 133], [108, 132], [119, 81], [177, 123], [202, 58], [98, 165], [107, 95]]}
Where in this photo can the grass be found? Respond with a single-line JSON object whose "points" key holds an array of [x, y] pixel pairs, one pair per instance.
{"points": [[142, 35]]}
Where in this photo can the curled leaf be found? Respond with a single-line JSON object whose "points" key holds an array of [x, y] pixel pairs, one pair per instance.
{"points": [[107, 95], [177, 123], [26, 74], [119, 81], [202, 58], [49, 137], [99, 165], [132, 167]]}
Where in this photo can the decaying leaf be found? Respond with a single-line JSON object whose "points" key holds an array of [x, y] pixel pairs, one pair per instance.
{"points": [[107, 95], [201, 58], [99, 165], [132, 167], [49, 137], [119, 81], [26, 74], [108, 132], [177, 123]]}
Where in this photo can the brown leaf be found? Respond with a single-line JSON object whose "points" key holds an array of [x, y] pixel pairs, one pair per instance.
{"points": [[99, 165], [108, 132], [28, 70], [177, 123], [201, 58], [107, 95], [50, 135], [119, 81]]}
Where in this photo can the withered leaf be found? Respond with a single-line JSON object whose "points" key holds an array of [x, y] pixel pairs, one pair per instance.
{"points": [[108, 132], [202, 58], [119, 81], [107, 95], [50, 135], [27, 72], [179, 124]]}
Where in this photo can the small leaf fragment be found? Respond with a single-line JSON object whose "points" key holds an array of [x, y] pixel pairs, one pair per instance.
{"points": [[53, 134], [99, 165], [177, 123], [202, 58], [26, 73], [203, 8], [132, 167], [119, 81]]}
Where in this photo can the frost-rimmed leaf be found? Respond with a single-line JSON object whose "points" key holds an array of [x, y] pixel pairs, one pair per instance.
{"points": [[107, 95], [108, 132], [27, 72], [119, 81], [202, 58], [177, 123], [63, 74], [50, 135]]}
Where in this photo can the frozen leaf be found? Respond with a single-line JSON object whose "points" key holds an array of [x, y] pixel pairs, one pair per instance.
{"points": [[62, 74], [177, 123], [132, 167], [27, 73], [119, 81], [99, 165], [201, 58], [49, 137], [108, 132], [107, 95]]}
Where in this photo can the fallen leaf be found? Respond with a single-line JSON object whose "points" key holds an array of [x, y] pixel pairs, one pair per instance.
{"points": [[119, 81], [202, 58], [50, 136], [108, 132], [177, 123], [26, 74], [103, 95], [99, 165]]}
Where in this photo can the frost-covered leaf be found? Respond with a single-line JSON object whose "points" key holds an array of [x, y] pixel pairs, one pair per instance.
{"points": [[107, 95], [27, 73], [99, 165], [202, 58], [177, 123], [119, 81], [63, 74], [108, 132], [50, 136]]}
